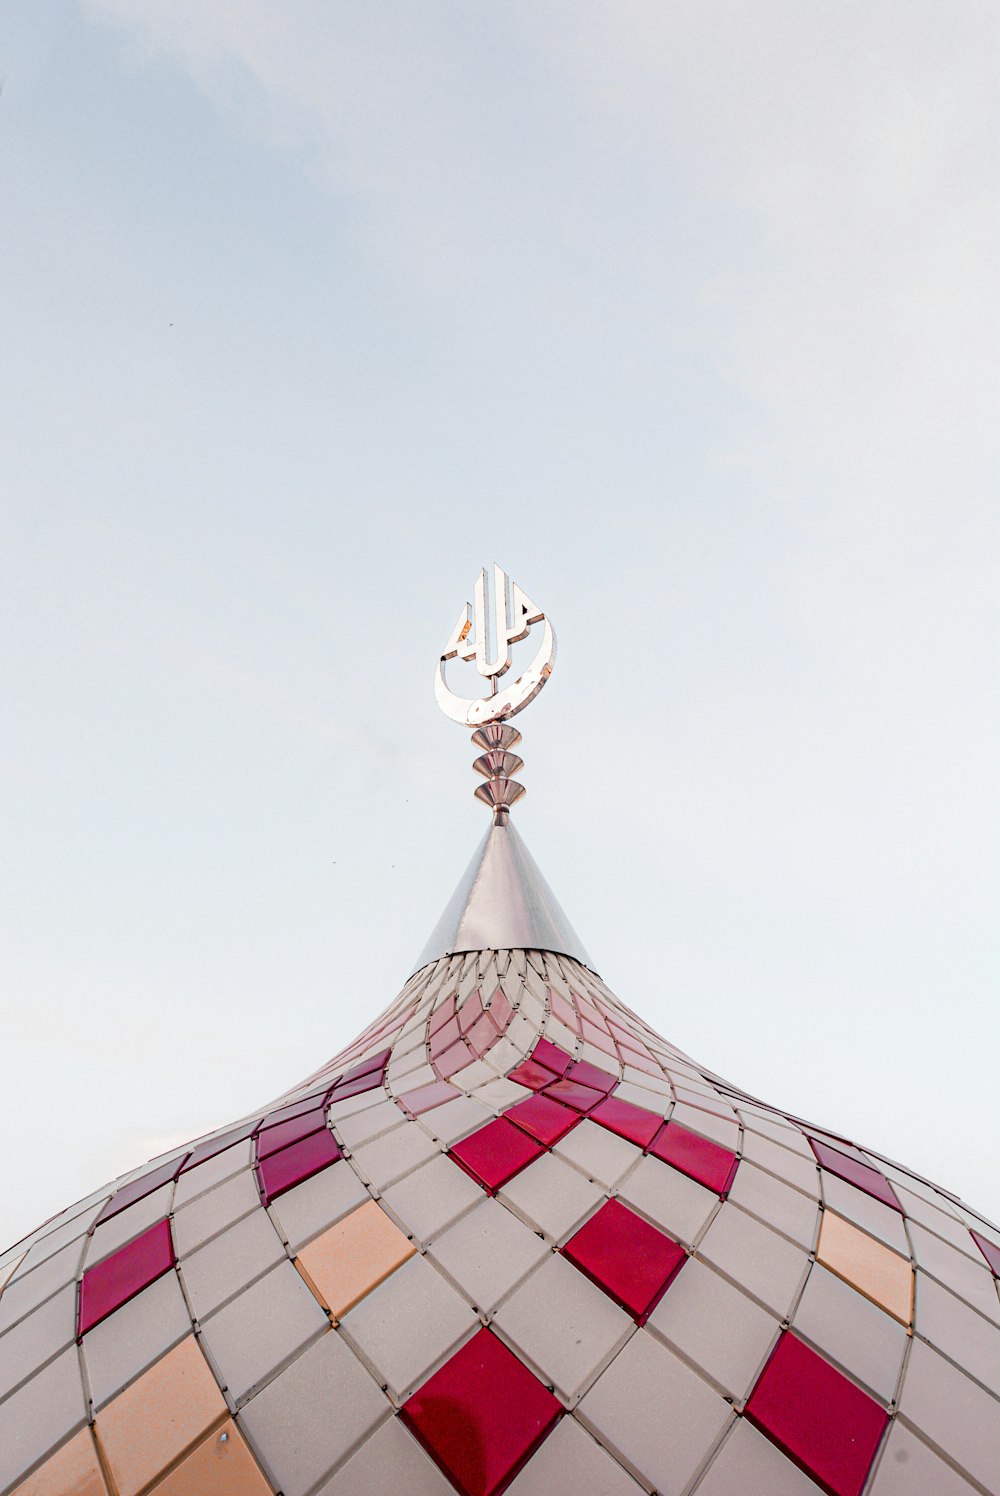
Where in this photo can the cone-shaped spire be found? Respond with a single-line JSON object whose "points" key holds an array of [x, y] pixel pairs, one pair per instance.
{"points": [[503, 902]]}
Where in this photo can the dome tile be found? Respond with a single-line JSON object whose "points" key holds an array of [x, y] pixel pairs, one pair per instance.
{"points": [[218, 1271], [282, 1171], [599, 1154], [204, 1217], [701, 1159], [907, 1466], [387, 1158], [571, 1459], [116, 1279], [136, 1335], [655, 1414], [778, 1205], [110, 1236], [40, 1415], [712, 1324], [487, 1253], [427, 1201], [457, 1119], [970, 1280], [137, 1189], [289, 1425], [260, 1330], [481, 1416], [221, 1464], [759, 1261], [851, 1331], [542, 1118], [958, 1331], [952, 1412], [870, 1214], [408, 1325], [303, 1212], [861, 1175], [495, 1153], [26, 1290], [217, 1169], [820, 1419], [74, 1470], [552, 1197], [748, 1463], [351, 1258], [290, 1130], [36, 1338], [563, 1326], [629, 1259], [784, 1163], [678, 1205], [390, 1461], [628, 1121], [162, 1414], [990, 1251], [875, 1270], [572, 1093]]}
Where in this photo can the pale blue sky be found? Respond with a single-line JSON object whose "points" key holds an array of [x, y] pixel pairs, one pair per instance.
{"points": [[685, 314]]}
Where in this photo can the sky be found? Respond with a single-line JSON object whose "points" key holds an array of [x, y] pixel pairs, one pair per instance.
{"points": [[687, 316]]}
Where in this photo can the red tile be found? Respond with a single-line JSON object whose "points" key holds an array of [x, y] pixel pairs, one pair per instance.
{"points": [[546, 1120], [496, 1153], [481, 1416], [530, 1073], [273, 1139], [125, 1273], [701, 1159], [445, 1035], [292, 1165], [295, 1108], [632, 1261], [482, 1035], [628, 1121], [583, 1073], [425, 1098], [862, 1175], [989, 1250], [214, 1146], [571, 1093], [364, 1076], [551, 1056], [138, 1189], [822, 1421]]}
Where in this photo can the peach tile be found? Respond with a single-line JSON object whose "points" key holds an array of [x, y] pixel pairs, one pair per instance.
{"points": [[353, 1257], [878, 1272], [158, 1417], [73, 1470], [221, 1464]]}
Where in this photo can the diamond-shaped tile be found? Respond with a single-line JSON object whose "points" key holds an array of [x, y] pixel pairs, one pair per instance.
{"points": [[989, 1250], [697, 1157], [481, 1416], [819, 1418], [551, 1056], [353, 1257], [122, 1275], [875, 1270], [282, 1171], [586, 1074], [290, 1130], [496, 1153], [573, 1093], [627, 1257], [630, 1122], [544, 1119], [862, 1175]]}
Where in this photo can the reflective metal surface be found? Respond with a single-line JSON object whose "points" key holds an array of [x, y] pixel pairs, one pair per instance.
{"points": [[483, 636], [503, 901]]}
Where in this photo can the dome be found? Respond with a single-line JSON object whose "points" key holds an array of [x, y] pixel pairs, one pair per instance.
{"points": [[511, 1239]]}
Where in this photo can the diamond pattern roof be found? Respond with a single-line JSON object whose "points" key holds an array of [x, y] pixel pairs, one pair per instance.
{"points": [[510, 1240]]}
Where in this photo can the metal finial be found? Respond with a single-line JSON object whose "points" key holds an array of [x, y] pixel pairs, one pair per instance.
{"points": [[483, 636]]}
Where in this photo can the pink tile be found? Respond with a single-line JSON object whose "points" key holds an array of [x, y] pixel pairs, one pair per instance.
{"points": [[529, 1073], [572, 1093], [632, 1261], [212, 1147], [631, 1122], [822, 1421], [280, 1136], [583, 1073], [989, 1250], [551, 1056], [697, 1157], [544, 1119], [496, 1153], [138, 1189], [281, 1171], [124, 1274], [856, 1173], [481, 1416]]}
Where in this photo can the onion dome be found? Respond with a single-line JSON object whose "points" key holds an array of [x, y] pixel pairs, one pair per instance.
{"points": [[511, 1239]]}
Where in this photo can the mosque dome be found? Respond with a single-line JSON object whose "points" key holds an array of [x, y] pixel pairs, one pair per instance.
{"points": [[510, 1239]]}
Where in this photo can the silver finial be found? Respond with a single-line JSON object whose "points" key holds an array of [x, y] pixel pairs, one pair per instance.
{"points": [[483, 636]]}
